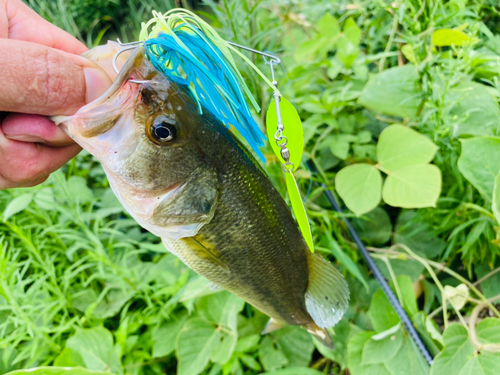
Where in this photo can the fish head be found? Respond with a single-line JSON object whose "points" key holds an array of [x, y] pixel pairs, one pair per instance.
{"points": [[150, 139]]}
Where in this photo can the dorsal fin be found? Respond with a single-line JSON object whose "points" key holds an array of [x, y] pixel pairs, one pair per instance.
{"points": [[327, 295]]}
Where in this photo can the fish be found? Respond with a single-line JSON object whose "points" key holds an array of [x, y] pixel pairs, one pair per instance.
{"points": [[187, 179]]}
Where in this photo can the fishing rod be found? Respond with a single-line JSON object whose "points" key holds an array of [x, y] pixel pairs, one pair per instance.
{"points": [[384, 285]]}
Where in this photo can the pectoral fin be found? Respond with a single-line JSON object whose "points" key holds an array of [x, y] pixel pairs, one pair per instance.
{"points": [[204, 253], [327, 295]]}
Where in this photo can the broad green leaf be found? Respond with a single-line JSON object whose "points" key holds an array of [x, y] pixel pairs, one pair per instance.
{"points": [[355, 355], [352, 31], [408, 294], [341, 336], [488, 331], [475, 110], [377, 351], [196, 342], [375, 227], [340, 144], [294, 371], [495, 205], [57, 371], [17, 205], [165, 338], [299, 209], [491, 286], [69, 358], [479, 163], [360, 186], [247, 343], [250, 361], [413, 187], [393, 92], [224, 349], [430, 335], [95, 347], [381, 313], [408, 52], [270, 357], [399, 147], [292, 131], [407, 361], [484, 364], [296, 344], [457, 351], [328, 26], [449, 37], [334, 248]]}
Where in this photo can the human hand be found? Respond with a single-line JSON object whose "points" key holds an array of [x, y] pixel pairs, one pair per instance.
{"points": [[41, 74]]}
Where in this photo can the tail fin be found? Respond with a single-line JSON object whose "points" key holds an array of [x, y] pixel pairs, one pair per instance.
{"points": [[327, 295], [321, 334]]}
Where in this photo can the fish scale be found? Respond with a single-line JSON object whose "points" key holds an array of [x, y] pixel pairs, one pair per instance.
{"points": [[208, 199]]}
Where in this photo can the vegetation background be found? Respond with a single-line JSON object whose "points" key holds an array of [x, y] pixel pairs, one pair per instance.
{"points": [[399, 102]]}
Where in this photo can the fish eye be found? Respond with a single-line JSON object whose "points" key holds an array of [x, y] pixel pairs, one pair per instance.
{"points": [[163, 129]]}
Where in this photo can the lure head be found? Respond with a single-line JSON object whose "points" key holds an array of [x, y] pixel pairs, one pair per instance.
{"points": [[152, 141]]}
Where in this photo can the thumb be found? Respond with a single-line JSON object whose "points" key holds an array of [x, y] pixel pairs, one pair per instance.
{"points": [[41, 80]]}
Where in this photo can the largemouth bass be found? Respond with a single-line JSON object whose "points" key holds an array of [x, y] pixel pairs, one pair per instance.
{"points": [[187, 179]]}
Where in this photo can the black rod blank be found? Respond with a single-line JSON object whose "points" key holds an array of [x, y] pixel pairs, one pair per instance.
{"points": [[412, 332]]}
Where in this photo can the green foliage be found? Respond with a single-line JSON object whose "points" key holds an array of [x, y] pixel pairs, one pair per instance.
{"points": [[406, 88]]}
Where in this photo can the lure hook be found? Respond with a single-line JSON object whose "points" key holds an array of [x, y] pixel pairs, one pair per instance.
{"points": [[128, 47]]}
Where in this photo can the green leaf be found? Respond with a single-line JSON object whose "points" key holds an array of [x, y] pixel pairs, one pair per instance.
{"points": [[408, 52], [78, 189], [341, 336], [270, 357], [352, 32], [196, 342], [360, 186], [299, 209], [399, 147], [355, 353], [413, 187], [57, 371], [484, 364], [381, 350], [334, 248], [449, 37], [44, 199], [418, 235], [375, 227], [69, 358], [292, 131], [294, 371], [224, 349], [475, 110], [296, 344], [457, 351], [250, 362], [393, 92], [95, 347], [479, 163], [165, 338], [328, 26], [340, 144], [495, 205], [488, 331], [408, 294], [381, 313], [17, 205]]}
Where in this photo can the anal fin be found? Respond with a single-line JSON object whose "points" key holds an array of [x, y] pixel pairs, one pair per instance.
{"points": [[273, 325], [327, 295]]}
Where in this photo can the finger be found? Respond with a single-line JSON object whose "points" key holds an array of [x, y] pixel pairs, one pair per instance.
{"points": [[6, 184], [41, 80], [24, 162], [20, 22], [34, 128]]}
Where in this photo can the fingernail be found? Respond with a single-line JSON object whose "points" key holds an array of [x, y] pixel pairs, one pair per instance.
{"points": [[97, 82], [25, 138]]}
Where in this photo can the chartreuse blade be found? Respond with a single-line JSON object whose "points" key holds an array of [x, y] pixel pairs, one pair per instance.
{"points": [[299, 209], [292, 131]]}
